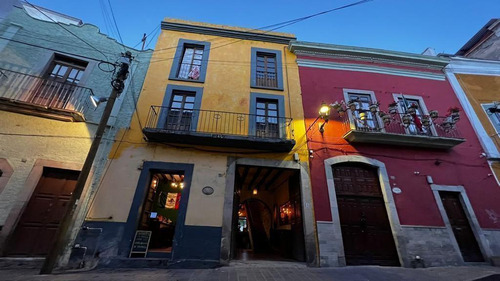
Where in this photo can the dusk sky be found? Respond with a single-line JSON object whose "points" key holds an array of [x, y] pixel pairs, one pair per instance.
{"points": [[402, 25]]}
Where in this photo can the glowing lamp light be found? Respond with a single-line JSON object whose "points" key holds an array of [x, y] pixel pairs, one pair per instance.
{"points": [[181, 185], [324, 111], [255, 191]]}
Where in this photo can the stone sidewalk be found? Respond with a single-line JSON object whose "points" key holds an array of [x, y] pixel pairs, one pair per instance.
{"points": [[275, 273]]}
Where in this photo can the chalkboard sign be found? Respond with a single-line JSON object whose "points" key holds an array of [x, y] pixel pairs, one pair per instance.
{"points": [[141, 242]]}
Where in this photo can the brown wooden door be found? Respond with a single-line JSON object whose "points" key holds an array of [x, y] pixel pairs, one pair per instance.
{"points": [[461, 228], [36, 231], [366, 231]]}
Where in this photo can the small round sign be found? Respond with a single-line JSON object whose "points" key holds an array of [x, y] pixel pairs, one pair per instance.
{"points": [[397, 190], [208, 190]]}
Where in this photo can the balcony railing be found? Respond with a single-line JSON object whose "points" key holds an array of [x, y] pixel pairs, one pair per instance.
{"points": [[401, 129], [219, 128], [30, 94]]}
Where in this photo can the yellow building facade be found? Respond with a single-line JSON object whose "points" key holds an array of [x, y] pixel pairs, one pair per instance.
{"points": [[217, 167], [476, 83]]}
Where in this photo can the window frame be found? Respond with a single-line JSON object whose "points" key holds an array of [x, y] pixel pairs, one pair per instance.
{"points": [[279, 68], [179, 54], [252, 128], [380, 124], [493, 117], [167, 101], [422, 105]]}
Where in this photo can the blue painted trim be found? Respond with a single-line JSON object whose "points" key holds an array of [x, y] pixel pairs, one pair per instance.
{"points": [[199, 243], [135, 212], [178, 58], [167, 100], [253, 110], [279, 68]]}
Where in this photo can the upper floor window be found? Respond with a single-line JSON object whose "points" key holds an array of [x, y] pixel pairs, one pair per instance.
{"points": [[266, 70], [59, 83], [364, 118], [190, 61], [266, 118], [493, 112], [415, 108]]}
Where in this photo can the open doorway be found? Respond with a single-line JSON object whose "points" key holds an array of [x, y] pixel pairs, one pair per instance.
{"points": [[267, 215], [161, 209]]}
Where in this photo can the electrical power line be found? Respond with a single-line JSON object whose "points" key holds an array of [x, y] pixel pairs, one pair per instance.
{"points": [[69, 31], [114, 20], [274, 27]]}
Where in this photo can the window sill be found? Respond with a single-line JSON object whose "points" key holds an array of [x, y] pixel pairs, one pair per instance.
{"points": [[186, 80], [267, 88]]}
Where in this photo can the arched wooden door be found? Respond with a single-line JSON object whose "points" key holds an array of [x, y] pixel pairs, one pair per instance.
{"points": [[366, 231]]}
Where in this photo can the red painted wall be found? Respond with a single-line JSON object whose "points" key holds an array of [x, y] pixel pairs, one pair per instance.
{"points": [[416, 205]]}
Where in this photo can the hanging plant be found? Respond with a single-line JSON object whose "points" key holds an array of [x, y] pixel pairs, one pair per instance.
{"points": [[406, 119], [426, 120], [386, 119], [393, 108], [336, 105], [374, 107], [454, 113], [352, 105], [341, 111], [433, 114], [412, 109]]}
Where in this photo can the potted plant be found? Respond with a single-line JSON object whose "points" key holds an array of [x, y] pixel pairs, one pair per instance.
{"points": [[406, 120], [393, 108], [386, 118], [374, 107], [352, 105], [426, 120], [336, 105], [433, 114], [454, 113], [341, 111], [412, 109]]}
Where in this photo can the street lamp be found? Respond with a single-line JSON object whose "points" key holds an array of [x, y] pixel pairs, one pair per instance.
{"points": [[324, 111]]}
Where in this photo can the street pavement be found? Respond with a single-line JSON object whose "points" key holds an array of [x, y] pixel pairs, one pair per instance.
{"points": [[274, 272]]}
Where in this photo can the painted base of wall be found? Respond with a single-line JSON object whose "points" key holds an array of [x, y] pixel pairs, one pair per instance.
{"points": [[199, 247], [432, 244], [330, 246]]}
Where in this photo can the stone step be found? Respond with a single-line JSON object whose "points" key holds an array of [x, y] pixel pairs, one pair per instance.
{"points": [[13, 263]]}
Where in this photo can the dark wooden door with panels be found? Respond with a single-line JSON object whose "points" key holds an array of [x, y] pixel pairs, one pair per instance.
{"points": [[366, 231]]}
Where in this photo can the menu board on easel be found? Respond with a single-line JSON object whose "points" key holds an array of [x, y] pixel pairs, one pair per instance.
{"points": [[141, 243]]}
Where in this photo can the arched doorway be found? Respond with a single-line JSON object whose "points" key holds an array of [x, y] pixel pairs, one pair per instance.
{"points": [[366, 231]]}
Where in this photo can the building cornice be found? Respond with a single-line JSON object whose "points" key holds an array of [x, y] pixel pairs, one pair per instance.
{"points": [[473, 66], [253, 35], [371, 69], [367, 54]]}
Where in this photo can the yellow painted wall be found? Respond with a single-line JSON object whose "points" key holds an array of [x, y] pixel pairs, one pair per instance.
{"points": [[24, 139], [226, 88], [482, 89]]}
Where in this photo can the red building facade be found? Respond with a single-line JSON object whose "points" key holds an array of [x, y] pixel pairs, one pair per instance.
{"points": [[394, 182]]}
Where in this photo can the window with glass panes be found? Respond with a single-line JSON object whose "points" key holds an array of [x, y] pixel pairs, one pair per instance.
{"points": [[266, 70], [180, 113], [415, 128], [190, 67], [363, 117], [267, 123], [59, 82]]}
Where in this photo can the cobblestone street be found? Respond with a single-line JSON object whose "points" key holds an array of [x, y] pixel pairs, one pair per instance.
{"points": [[248, 273]]}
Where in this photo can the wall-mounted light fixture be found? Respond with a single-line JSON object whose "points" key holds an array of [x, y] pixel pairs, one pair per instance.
{"points": [[97, 100]]}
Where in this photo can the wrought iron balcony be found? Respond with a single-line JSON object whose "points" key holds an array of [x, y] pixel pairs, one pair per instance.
{"points": [[219, 128], [28, 94], [364, 126]]}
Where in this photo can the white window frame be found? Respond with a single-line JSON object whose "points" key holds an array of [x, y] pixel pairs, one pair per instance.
{"points": [[495, 121], [421, 104], [372, 97]]}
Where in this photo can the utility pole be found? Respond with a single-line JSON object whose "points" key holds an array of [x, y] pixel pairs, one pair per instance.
{"points": [[64, 233]]}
